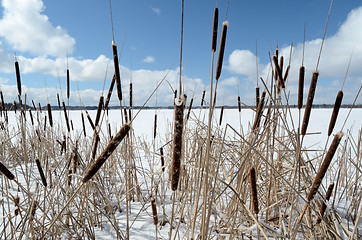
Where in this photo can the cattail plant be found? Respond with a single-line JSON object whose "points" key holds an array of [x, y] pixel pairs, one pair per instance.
{"points": [[337, 106], [130, 95], [202, 98], [99, 109], [50, 115], [18, 81], [66, 117], [257, 96], [116, 71], [154, 211], [112, 145], [2, 101], [214, 29], [301, 86], [6, 172], [90, 121], [155, 127], [221, 50], [254, 194], [108, 99], [16, 203], [38, 105], [59, 102], [95, 147], [83, 124], [324, 206], [239, 104], [15, 108], [259, 111], [162, 159], [177, 143], [41, 173], [68, 84], [31, 117], [190, 107], [125, 114], [221, 115], [308, 106], [278, 72]]}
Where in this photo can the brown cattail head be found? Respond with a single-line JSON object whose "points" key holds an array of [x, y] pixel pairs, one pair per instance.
{"points": [[301, 87], [214, 29], [90, 121], [190, 107], [281, 64], [59, 101], [6, 172], [323, 169], [85, 134], [257, 95], [66, 117], [99, 109], [154, 211], [41, 173], [50, 115], [94, 152], [33, 208], [254, 193], [31, 117], [116, 71], [177, 143], [286, 74], [308, 106], [203, 98], [278, 71], [239, 104], [18, 81], [162, 159], [108, 99], [155, 127], [68, 84], [130, 95], [125, 114], [259, 111], [112, 145], [337, 106], [2, 101], [324, 206], [221, 50], [221, 114]]}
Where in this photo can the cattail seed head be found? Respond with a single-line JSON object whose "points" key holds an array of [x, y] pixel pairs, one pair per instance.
{"points": [[239, 104], [66, 117], [308, 106], [108, 99], [83, 124], [116, 71], [221, 50], [6, 172], [154, 211], [301, 86], [259, 111], [68, 84], [90, 121], [18, 81], [337, 106], [324, 206], [254, 193], [221, 114], [190, 107], [41, 173], [203, 97], [50, 115], [112, 145], [177, 143], [31, 117], [99, 109], [257, 95], [155, 127], [278, 71], [162, 159], [214, 29], [130, 95]]}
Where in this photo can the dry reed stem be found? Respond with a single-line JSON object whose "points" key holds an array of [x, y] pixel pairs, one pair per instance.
{"points": [[116, 71], [309, 104], [6, 172], [214, 29], [154, 211], [301, 86], [112, 145], [337, 106], [50, 115], [254, 193], [18, 80], [41, 173], [324, 206], [221, 50], [177, 143]]}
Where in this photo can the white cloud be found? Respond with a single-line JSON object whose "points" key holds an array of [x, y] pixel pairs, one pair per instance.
{"points": [[156, 10], [148, 59], [28, 30]]}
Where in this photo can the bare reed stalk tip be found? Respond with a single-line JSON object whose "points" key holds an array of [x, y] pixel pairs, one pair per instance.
{"points": [[66, 117], [239, 104], [257, 95], [177, 143], [83, 124], [154, 211], [162, 159], [301, 87], [68, 84], [116, 71], [6, 172], [109, 95], [214, 29], [50, 115], [221, 50], [18, 80], [112, 145], [189, 110], [41, 173], [99, 110], [278, 72], [337, 106], [155, 127], [254, 193], [203, 98], [308, 106], [259, 111], [221, 115], [324, 206]]}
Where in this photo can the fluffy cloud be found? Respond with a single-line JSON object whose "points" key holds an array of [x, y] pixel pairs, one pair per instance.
{"points": [[148, 59], [156, 10], [28, 30]]}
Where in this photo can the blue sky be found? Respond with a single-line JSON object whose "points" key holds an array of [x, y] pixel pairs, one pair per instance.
{"points": [[42, 32]]}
